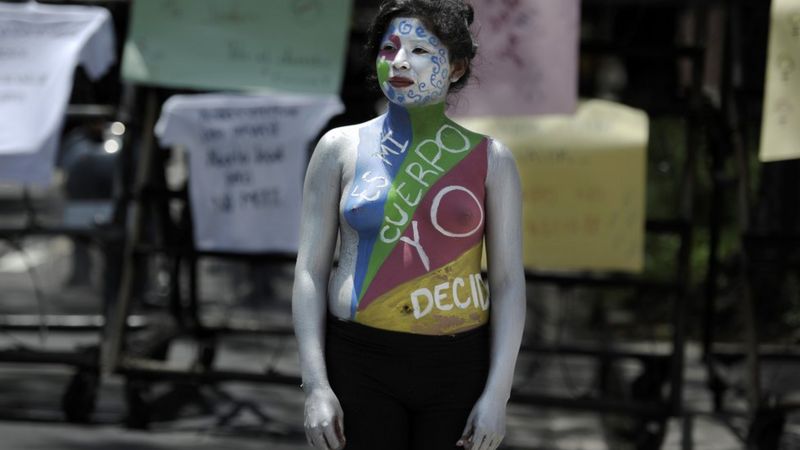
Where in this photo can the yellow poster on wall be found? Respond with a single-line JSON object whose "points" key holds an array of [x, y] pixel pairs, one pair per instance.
{"points": [[780, 128], [583, 181]]}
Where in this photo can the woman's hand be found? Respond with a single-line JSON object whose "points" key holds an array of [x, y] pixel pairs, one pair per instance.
{"points": [[324, 420], [486, 425]]}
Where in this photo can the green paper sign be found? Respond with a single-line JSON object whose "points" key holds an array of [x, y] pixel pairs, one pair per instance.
{"points": [[275, 45]]}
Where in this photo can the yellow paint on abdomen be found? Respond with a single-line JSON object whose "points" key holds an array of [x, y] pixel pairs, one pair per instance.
{"points": [[441, 305]]}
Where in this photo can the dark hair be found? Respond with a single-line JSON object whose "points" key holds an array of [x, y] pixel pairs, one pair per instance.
{"points": [[448, 19]]}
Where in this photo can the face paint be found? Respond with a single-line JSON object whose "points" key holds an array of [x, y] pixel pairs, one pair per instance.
{"points": [[413, 65]]}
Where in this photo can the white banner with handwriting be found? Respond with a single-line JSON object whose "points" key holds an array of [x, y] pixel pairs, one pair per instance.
{"points": [[40, 46], [247, 157]]}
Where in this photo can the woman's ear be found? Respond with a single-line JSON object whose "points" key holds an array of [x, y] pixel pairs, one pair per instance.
{"points": [[457, 70]]}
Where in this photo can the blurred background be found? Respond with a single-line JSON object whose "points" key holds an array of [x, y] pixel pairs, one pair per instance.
{"points": [[151, 159]]}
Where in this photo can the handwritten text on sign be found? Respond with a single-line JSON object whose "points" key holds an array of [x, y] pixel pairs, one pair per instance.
{"points": [[527, 58], [238, 154], [780, 131], [246, 158], [40, 46], [287, 45], [583, 181]]}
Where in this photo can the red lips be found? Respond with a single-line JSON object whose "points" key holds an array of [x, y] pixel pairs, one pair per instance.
{"points": [[400, 82]]}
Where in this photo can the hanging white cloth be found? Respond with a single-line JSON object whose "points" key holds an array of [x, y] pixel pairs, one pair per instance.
{"points": [[40, 46], [247, 156]]}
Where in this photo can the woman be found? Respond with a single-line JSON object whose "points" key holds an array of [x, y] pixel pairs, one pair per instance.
{"points": [[400, 347]]}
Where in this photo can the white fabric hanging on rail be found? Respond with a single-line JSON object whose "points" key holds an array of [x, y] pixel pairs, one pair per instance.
{"points": [[40, 47], [247, 156]]}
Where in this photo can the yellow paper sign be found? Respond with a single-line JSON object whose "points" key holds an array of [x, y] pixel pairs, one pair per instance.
{"points": [[780, 128], [583, 182]]}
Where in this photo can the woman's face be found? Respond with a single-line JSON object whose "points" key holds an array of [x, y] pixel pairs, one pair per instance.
{"points": [[413, 65]]}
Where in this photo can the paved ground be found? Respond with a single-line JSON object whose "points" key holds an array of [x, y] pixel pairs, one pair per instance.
{"points": [[30, 395]]}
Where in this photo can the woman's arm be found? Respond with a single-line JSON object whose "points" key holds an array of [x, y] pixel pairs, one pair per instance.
{"points": [[318, 230], [486, 425]]}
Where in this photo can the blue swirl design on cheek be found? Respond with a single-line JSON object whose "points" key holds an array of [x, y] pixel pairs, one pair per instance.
{"points": [[437, 81], [414, 96], [423, 86], [405, 27]]}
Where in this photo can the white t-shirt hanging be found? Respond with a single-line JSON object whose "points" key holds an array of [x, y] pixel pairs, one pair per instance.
{"points": [[40, 46], [247, 155]]}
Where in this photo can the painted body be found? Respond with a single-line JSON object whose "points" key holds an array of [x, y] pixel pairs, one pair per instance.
{"points": [[414, 210], [411, 197]]}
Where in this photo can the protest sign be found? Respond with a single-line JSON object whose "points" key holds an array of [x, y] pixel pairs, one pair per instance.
{"points": [[780, 129], [583, 183], [247, 156], [288, 45], [527, 61], [40, 46]]}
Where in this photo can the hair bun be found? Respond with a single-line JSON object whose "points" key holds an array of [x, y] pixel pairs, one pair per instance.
{"points": [[469, 14]]}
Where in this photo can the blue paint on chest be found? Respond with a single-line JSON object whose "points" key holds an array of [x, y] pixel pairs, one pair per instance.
{"points": [[381, 151]]}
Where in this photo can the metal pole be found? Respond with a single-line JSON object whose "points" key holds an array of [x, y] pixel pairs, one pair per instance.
{"points": [[112, 345]]}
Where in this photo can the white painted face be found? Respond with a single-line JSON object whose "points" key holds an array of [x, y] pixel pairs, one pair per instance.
{"points": [[413, 65]]}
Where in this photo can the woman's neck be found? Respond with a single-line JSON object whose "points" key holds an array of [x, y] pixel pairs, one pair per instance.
{"points": [[425, 120]]}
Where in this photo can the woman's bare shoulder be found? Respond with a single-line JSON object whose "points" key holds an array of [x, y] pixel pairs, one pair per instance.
{"points": [[501, 159], [336, 141]]}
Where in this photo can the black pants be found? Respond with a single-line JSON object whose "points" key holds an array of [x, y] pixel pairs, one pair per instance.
{"points": [[403, 391]]}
